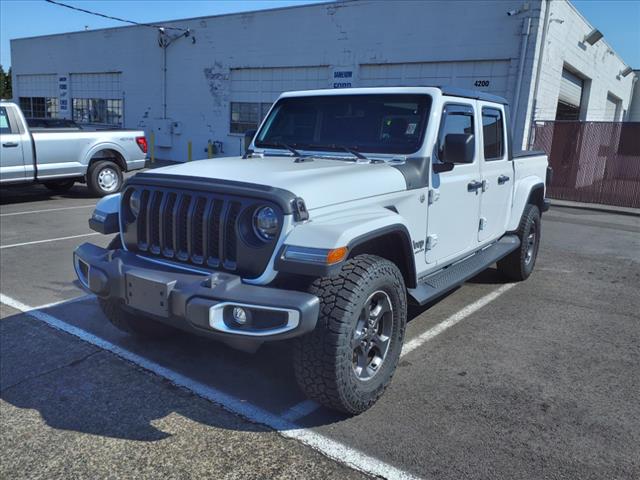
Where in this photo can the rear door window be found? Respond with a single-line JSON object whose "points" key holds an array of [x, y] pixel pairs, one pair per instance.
{"points": [[493, 133], [5, 127]]}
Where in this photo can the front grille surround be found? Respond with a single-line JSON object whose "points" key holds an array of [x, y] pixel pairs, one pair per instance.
{"points": [[199, 228]]}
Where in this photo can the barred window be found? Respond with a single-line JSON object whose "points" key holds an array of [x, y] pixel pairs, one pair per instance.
{"points": [[40, 107], [247, 116], [98, 110]]}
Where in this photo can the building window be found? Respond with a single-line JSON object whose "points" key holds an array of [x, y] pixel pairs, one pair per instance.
{"points": [[247, 116], [98, 110], [40, 107]]}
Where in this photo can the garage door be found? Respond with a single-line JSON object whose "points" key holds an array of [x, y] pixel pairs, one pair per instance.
{"points": [[37, 85], [611, 109], [38, 95], [96, 85], [97, 98], [570, 89], [488, 76], [266, 84]]}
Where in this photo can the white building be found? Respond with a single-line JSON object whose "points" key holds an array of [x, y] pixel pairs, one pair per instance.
{"points": [[222, 75]]}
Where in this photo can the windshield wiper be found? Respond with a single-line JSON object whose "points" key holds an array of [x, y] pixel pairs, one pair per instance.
{"points": [[285, 146], [333, 146], [353, 152]]}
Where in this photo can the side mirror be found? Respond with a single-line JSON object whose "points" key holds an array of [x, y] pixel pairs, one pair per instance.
{"points": [[248, 136], [458, 148]]}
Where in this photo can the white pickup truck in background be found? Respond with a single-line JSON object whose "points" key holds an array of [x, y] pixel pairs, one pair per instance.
{"points": [[59, 158]]}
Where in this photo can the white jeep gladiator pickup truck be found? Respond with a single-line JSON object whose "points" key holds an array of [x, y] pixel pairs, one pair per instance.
{"points": [[348, 205], [59, 158]]}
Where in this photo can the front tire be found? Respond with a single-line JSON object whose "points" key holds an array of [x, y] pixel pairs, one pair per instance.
{"points": [[134, 323], [519, 264], [104, 178], [349, 359]]}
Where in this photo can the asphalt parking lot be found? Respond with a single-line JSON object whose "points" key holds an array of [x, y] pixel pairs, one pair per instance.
{"points": [[533, 380]]}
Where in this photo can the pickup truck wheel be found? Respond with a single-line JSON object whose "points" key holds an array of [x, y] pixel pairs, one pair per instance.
{"points": [[104, 177], [59, 185], [348, 360], [519, 264], [128, 322]]}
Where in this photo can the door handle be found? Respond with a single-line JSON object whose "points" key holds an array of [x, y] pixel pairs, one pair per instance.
{"points": [[10, 144], [474, 186], [502, 179]]}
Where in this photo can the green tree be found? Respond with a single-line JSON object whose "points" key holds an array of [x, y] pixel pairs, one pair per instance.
{"points": [[5, 84]]}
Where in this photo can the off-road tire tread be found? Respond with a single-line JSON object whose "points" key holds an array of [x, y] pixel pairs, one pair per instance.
{"points": [[137, 325], [320, 378], [130, 323], [513, 265]]}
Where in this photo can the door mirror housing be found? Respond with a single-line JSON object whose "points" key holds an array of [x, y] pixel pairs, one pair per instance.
{"points": [[458, 148]]}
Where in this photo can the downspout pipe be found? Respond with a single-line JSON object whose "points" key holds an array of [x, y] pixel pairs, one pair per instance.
{"points": [[164, 81], [526, 31], [632, 100], [543, 41]]}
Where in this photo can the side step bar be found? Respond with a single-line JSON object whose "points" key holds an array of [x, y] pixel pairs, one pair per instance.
{"points": [[440, 282]]}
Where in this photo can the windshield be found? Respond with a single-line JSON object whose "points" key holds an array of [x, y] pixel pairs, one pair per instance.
{"points": [[390, 123]]}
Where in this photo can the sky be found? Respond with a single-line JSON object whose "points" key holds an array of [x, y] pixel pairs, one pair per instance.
{"points": [[618, 20]]}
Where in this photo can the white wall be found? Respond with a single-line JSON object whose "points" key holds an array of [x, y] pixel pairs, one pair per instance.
{"points": [[327, 35], [457, 43], [598, 64]]}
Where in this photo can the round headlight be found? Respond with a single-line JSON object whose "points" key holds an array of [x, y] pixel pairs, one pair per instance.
{"points": [[265, 223], [134, 203]]}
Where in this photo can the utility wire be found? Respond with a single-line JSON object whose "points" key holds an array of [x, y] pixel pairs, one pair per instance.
{"points": [[114, 18]]}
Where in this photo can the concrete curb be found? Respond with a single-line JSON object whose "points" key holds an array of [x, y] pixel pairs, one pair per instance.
{"points": [[597, 207]]}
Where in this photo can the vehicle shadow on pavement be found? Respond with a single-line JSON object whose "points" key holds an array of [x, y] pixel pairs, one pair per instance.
{"points": [[39, 193], [490, 276], [77, 386]]}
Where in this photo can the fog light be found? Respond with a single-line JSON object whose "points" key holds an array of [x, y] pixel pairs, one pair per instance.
{"points": [[239, 315]]}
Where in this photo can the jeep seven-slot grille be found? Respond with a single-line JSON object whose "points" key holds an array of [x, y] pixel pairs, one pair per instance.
{"points": [[193, 227]]}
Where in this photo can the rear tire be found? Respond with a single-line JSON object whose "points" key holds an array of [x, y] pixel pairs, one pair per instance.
{"points": [[59, 185], [519, 264], [104, 178], [135, 324], [348, 360]]}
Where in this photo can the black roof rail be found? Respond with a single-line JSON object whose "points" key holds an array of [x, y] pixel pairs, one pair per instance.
{"points": [[475, 94]]}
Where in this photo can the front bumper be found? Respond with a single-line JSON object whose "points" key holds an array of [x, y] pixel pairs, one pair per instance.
{"points": [[197, 302]]}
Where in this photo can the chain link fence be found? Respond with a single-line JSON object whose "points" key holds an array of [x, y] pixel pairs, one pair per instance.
{"points": [[593, 162]]}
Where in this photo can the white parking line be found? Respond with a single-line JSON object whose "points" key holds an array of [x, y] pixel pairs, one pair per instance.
{"points": [[44, 210], [66, 301], [414, 343], [2, 247], [327, 446]]}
